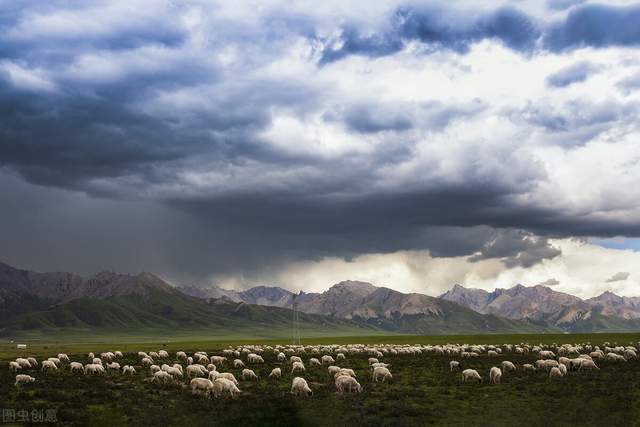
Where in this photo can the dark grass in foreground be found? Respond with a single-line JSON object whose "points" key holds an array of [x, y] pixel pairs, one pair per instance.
{"points": [[423, 392]]}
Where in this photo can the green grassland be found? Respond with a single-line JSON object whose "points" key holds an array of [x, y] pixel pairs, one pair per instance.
{"points": [[422, 392]]}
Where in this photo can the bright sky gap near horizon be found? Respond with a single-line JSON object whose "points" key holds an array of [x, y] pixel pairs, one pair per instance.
{"points": [[409, 144]]}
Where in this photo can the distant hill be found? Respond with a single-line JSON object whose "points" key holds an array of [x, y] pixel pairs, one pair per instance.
{"points": [[387, 309], [543, 305], [32, 301]]}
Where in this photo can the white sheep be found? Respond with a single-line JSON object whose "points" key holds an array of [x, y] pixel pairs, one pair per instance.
{"points": [[314, 362], [181, 355], [118, 353], [333, 370], [555, 372], [76, 367], [345, 372], [254, 358], [24, 363], [161, 377], [63, 357], [147, 361], [294, 359], [275, 373], [114, 366], [347, 383], [226, 375], [218, 360], [527, 367], [98, 361], [222, 385], [494, 375], [281, 357], [588, 365], [237, 363], [327, 360], [249, 374], [93, 368], [372, 360], [297, 366], [32, 361], [14, 366], [129, 370], [174, 372], [381, 372], [162, 353], [563, 369], [471, 375], [340, 356], [24, 379], [508, 366], [48, 365], [454, 365], [201, 386], [299, 385]]}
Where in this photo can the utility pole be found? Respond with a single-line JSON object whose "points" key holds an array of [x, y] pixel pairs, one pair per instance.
{"points": [[296, 320]]}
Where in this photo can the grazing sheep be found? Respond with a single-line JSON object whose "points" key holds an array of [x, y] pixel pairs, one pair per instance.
{"points": [[222, 385], [24, 379], [237, 363], [340, 356], [281, 357], [299, 385], [454, 365], [494, 375], [227, 375], [381, 372], [93, 368], [55, 360], [98, 361], [528, 367], [471, 375], [201, 386], [24, 363], [563, 369], [372, 360], [76, 367], [249, 374], [333, 370], [327, 360], [154, 368], [211, 367], [555, 372], [128, 370], [254, 358], [195, 371], [14, 366], [297, 366], [147, 362], [181, 355], [48, 365], [162, 353], [294, 359], [508, 366], [63, 357], [91, 356], [588, 365], [218, 360], [275, 373], [119, 354], [347, 383], [314, 362], [189, 360], [161, 377], [492, 353], [113, 366], [32, 361], [174, 372]]}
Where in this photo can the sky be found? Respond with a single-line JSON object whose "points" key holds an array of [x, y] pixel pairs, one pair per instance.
{"points": [[411, 144]]}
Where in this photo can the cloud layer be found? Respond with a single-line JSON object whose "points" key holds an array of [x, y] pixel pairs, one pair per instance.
{"points": [[272, 135]]}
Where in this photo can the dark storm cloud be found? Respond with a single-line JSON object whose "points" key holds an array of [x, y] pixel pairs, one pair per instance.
{"points": [[440, 29], [618, 277], [549, 282], [153, 135], [575, 73], [590, 25]]}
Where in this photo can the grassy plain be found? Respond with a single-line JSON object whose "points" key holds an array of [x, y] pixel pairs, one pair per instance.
{"points": [[423, 391]]}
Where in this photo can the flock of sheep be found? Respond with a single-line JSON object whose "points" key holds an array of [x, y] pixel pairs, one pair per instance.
{"points": [[206, 379]]}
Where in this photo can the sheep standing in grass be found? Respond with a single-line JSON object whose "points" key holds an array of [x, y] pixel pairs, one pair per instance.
{"points": [[226, 375], [63, 357], [454, 365], [494, 375], [327, 360], [255, 358], [281, 357], [161, 377], [563, 369], [340, 356], [471, 375], [32, 361], [147, 362], [381, 372], [314, 362], [333, 370], [76, 367], [24, 363], [527, 367], [114, 366], [93, 368], [201, 386], [297, 366], [223, 385], [294, 359], [237, 363], [555, 372], [249, 374], [299, 386], [128, 370], [24, 379], [218, 360], [14, 366], [347, 383], [275, 373], [48, 365], [508, 366], [588, 365], [181, 355]]}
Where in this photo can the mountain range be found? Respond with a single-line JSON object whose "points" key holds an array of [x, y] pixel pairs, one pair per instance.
{"points": [[123, 303]]}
